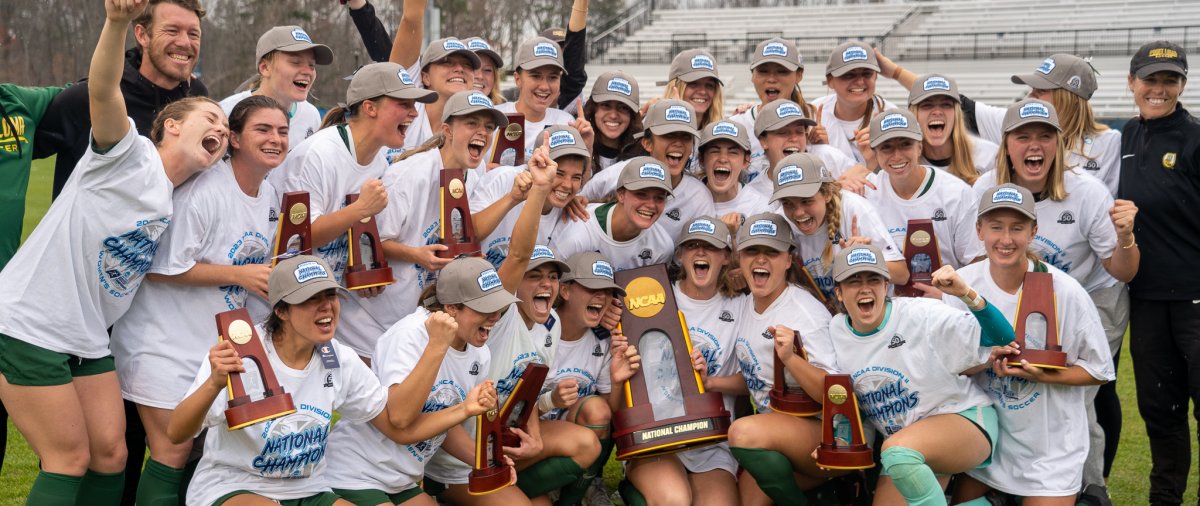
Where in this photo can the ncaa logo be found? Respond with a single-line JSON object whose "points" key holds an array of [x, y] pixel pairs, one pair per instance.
{"points": [[789, 174], [479, 100], [861, 256], [702, 62], [620, 85], [404, 77], [679, 113], [1008, 195], [488, 280], [893, 121], [561, 138], [725, 128], [1034, 110], [299, 35], [453, 45], [602, 268], [702, 227], [764, 227], [1047, 66], [545, 49], [788, 110], [652, 171], [936, 83], [854, 53], [775, 49]]}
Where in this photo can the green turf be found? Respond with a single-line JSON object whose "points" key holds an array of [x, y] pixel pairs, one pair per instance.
{"points": [[1128, 483]]}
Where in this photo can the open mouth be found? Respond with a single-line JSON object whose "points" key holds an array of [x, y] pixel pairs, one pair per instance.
{"points": [[325, 324], [759, 276], [403, 128], [856, 90], [646, 213], [1156, 101], [898, 166], [475, 148], [485, 331], [720, 175], [594, 311], [1034, 163], [272, 151], [541, 302], [701, 268], [180, 57], [937, 126], [457, 80], [771, 93], [302, 84], [561, 195], [866, 304], [211, 144], [675, 158], [790, 150], [542, 96], [805, 224]]}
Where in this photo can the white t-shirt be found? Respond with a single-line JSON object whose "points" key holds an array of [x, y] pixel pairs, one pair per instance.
{"points": [[1075, 234], [587, 360], [419, 130], [286, 458], [948, 202], [712, 325], [1100, 155], [169, 328], [495, 185], [842, 133], [689, 199], [367, 459], [747, 202], [652, 246], [810, 247], [983, 155], [836, 161], [1043, 436], [79, 270], [533, 129], [327, 168], [303, 118], [908, 369], [755, 347]]}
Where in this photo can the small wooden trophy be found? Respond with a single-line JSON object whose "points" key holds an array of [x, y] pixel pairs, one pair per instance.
{"points": [[457, 232], [366, 266], [848, 450], [493, 431], [294, 227], [791, 400], [921, 255], [1037, 300], [509, 148], [666, 408], [235, 326]]}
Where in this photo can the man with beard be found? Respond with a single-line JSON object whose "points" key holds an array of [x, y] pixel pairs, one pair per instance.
{"points": [[158, 71]]}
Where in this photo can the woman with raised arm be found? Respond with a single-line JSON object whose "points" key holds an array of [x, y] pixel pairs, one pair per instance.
{"points": [[59, 383]]}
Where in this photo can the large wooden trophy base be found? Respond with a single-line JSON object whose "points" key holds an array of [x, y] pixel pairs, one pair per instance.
{"points": [[493, 431], [457, 230], [652, 321], [921, 255], [235, 326], [840, 400], [791, 400], [1037, 297]]}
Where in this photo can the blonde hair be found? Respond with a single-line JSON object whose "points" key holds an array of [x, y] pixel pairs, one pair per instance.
{"points": [[962, 156], [1056, 188], [1077, 120], [716, 109], [832, 190], [176, 111], [437, 141]]}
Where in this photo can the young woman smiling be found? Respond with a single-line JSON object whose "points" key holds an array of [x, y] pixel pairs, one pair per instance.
{"points": [[612, 109], [846, 114], [945, 142]]}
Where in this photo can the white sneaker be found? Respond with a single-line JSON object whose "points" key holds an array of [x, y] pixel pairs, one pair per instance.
{"points": [[597, 494]]}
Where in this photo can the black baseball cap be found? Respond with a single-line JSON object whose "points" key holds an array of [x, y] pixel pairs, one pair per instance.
{"points": [[1158, 56]]}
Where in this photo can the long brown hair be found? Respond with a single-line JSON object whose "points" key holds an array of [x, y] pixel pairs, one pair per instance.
{"points": [[176, 111], [716, 109], [626, 144]]}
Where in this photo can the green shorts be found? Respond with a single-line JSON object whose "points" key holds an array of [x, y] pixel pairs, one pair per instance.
{"points": [[321, 499], [372, 497], [29, 365], [986, 420]]}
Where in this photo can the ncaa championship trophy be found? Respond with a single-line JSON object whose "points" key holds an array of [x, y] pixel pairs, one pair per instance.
{"points": [[493, 431], [235, 327]]}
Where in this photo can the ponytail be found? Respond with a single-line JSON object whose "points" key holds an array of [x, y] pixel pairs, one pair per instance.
{"points": [[437, 141], [833, 218]]}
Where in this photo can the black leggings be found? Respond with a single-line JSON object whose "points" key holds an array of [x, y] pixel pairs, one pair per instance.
{"points": [[1108, 415]]}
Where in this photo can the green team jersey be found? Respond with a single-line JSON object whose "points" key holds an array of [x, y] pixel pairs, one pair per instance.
{"points": [[21, 109]]}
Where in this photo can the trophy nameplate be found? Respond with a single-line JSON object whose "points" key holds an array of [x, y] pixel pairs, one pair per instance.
{"points": [[791, 400], [236, 327], [1037, 300], [849, 449], [366, 266], [493, 431], [666, 407], [509, 148], [457, 232], [921, 256], [293, 236]]}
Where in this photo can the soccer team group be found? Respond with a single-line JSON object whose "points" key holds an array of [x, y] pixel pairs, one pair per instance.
{"points": [[778, 219]]}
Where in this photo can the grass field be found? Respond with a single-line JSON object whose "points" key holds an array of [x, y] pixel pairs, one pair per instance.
{"points": [[1128, 483]]}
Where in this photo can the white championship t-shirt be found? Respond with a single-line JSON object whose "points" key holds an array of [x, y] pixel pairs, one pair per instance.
{"points": [[810, 247], [755, 347], [983, 156], [943, 199], [652, 246], [285, 458], [1043, 438], [79, 270], [587, 361], [494, 186], [1074, 234], [533, 129], [712, 325], [303, 118], [746, 203], [842, 133], [690, 199], [908, 369], [169, 328]]}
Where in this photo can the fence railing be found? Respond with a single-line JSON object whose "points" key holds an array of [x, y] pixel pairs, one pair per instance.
{"points": [[613, 31]]}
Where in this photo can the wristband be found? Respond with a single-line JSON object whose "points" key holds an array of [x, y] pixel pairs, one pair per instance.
{"points": [[1132, 244], [973, 303], [545, 404]]}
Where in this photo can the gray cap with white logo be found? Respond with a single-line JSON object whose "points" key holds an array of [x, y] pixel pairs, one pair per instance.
{"points": [[1065, 71], [617, 86], [765, 229], [726, 130], [855, 54], [668, 116], [296, 279], [798, 175], [291, 39], [385, 79], [859, 258], [593, 271], [564, 140], [644, 172], [1008, 196], [779, 113], [441, 49], [465, 103], [543, 255], [693, 65], [1030, 110], [473, 281], [539, 52], [933, 85], [892, 124], [777, 50], [708, 229]]}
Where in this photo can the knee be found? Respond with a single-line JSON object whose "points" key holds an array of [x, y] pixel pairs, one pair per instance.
{"points": [[108, 456], [744, 433], [73, 462], [173, 455], [899, 456], [667, 496], [585, 448], [595, 412]]}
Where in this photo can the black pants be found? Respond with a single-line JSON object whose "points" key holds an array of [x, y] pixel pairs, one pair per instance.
{"points": [[1108, 415], [1165, 344], [135, 442]]}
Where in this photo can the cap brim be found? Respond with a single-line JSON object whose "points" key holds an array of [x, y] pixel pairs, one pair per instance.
{"points": [[500, 118], [926, 95], [542, 62], [1150, 69], [769, 242], [852, 270], [613, 97], [1035, 81], [570, 151], [562, 267], [692, 76], [787, 64], [644, 184], [745, 145], [492, 302], [1028, 121], [598, 284], [1005, 205], [851, 66], [306, 292], [798, 190], [321, 52], [672, 128], [780, 123], [900, 134], [495, 57], [466, 53], [701, 237], [418, 94]]}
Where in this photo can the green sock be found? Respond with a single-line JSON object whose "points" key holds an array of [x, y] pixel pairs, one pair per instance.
{"points": [[53, 489], [630, 494], [101, 489], [773, 472], [915, 480], [159, 485], [573, 493], [978, 501], [550, 474]]}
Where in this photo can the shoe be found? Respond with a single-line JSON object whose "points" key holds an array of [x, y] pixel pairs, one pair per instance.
{"points": [[597, 494], [1094, 495]]}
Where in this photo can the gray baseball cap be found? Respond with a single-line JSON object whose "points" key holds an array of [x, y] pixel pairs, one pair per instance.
{"points": [[385, 79], [798, 175], [564, 140], [296, 279], [543, 255], [859, 258], [481, 47], [765, 229], [777, 114], [470, 102], [1065, 71], [539, 52], [593, 271], [777, 50], [291, 39], [441, 49], [933, 85], [708, 229], [693, 65], [727, 130], [855, 54], [473, 282], [1008, 196], [1030, 110], [894, 123], [669, 115], [616, 86], [644, 172]]}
